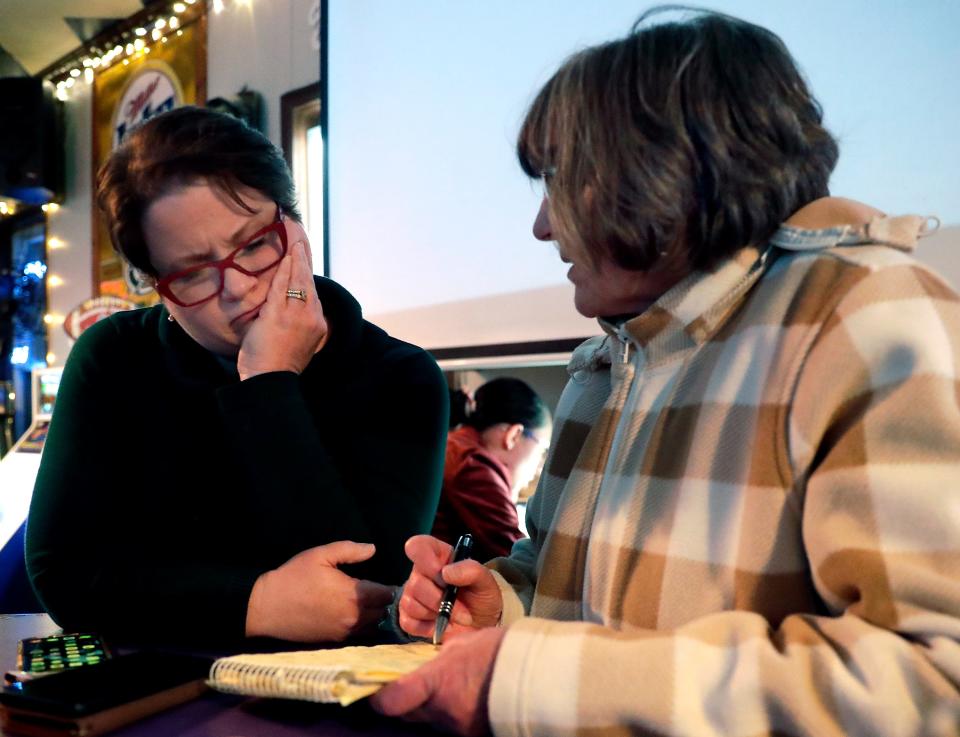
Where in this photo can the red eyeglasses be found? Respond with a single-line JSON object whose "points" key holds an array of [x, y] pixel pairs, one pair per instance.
{"points": [[201, 283]]}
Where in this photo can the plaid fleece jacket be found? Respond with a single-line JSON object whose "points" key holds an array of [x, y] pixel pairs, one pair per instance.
{"points": [[750, 520]]}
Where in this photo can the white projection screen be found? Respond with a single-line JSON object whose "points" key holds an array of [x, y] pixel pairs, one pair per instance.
{"points": [[429, 216]]}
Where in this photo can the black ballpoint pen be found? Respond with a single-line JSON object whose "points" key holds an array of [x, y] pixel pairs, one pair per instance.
{"points": [[461, 551]]}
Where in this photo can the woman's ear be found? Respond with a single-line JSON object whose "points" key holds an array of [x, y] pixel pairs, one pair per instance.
{"points": [[511, 436]]}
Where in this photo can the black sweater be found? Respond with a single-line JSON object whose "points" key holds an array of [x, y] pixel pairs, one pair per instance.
{"points": [[167, 485]]}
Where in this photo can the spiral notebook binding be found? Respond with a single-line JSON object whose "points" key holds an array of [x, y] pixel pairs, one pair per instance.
{"points": [[306, 683], [337, 675]]}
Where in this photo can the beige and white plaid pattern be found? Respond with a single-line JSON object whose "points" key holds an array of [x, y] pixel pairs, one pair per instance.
{"points": [[750, 523]]}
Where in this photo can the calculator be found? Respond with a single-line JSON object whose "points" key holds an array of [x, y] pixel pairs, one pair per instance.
{"points": [[40, 655]]}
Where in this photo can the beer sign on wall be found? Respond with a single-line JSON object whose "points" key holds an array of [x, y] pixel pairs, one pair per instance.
{"points": [[173, 73], [154, 88]]}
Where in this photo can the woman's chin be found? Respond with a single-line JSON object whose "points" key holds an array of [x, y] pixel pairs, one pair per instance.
{"points": [[225, 347]]}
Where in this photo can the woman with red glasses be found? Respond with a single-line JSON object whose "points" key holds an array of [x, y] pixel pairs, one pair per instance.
{"points": [[248, 456]]}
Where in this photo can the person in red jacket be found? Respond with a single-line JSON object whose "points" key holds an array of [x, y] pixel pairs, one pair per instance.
{"points": [[490, 458]]}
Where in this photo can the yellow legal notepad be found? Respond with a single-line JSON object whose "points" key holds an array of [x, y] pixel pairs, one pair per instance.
{"points": [[342, 675]]}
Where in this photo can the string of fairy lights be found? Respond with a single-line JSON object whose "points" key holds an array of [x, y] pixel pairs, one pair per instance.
{"points": [[125, 42]]}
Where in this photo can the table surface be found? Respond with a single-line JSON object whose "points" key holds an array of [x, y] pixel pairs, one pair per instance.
{"points": [[221, 715]]}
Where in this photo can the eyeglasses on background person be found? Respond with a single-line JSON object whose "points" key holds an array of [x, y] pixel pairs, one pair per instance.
{"points": [[530, 434]]}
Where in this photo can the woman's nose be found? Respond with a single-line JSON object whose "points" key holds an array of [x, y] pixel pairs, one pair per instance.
{"points": [[541, 225], [236, 284]]}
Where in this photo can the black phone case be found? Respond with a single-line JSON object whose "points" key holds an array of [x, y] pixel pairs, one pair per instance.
{"points": [[110, 685]]}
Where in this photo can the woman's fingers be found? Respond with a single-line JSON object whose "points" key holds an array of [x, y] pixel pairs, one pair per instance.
{"points": [[465, 573], [415, 627], [301, 276], [428, 555], [281, 281], [340, 552], [422, 590], [417, 609]]}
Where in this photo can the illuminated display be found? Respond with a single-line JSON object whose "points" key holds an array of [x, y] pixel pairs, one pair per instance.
{"points": [[49, 384], [35, 268], [20, 355]]}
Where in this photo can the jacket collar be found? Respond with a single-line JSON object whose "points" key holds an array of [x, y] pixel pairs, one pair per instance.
{"points": [[690, 312], [692, 309]]}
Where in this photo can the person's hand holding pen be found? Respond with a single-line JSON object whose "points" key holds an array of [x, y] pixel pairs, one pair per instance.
{"points": [[461, 551], [478, 602], [451, 690]]}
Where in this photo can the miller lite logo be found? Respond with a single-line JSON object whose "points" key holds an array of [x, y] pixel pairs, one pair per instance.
{"points": [[152, 89]]}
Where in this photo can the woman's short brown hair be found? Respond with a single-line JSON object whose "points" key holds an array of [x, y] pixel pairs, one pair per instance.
{"points": [[689, 139], [182, 146]]}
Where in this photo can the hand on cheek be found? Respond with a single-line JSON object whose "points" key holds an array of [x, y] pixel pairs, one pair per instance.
{"points": [[288, 331]]}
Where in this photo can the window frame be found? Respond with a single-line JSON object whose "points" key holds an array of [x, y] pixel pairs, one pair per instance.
{"points": [[300, 110]]}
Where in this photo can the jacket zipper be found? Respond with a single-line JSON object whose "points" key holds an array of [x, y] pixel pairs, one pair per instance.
{"points": [[623, 359]]}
